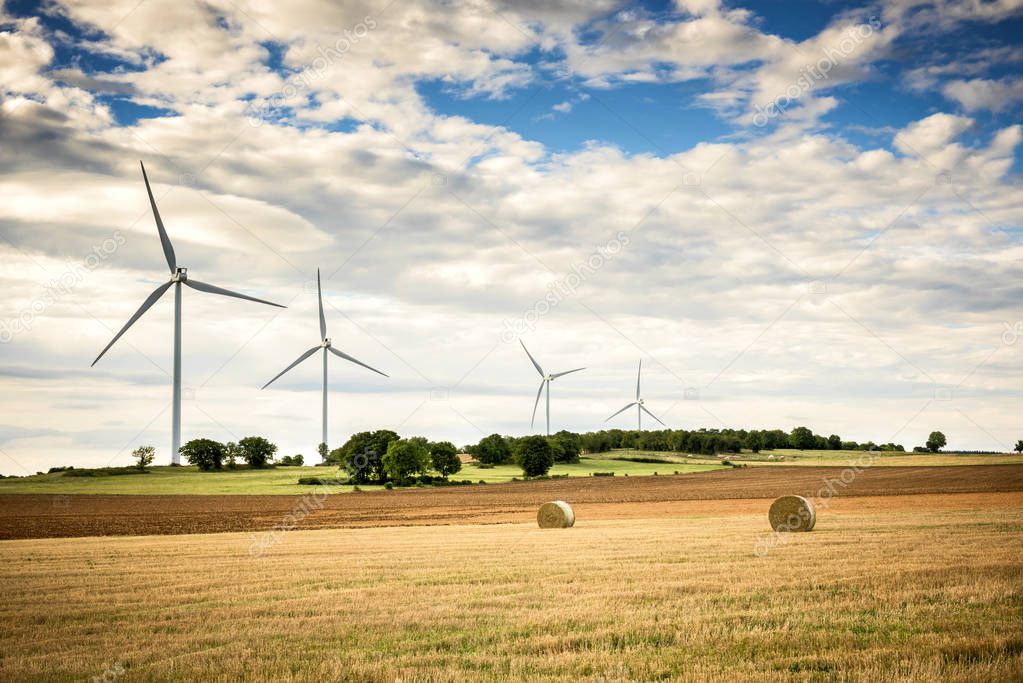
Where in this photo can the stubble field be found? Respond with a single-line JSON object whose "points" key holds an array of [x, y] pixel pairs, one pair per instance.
{"points": [[897, 593]]}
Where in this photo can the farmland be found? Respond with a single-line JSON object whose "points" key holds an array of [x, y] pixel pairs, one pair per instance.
{"points": [[660, 598], [34, 515]]}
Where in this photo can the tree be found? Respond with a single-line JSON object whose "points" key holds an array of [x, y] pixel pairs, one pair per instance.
{"points": [[835, 442], [935, 442], [566, 446], [406, 458], [322, 451], [206, 454], [232, 454], [801, 438], [1019, 446], [534, 455], [257, 451], [444, 458], [362, 455], [144, 456], [492, 450]]}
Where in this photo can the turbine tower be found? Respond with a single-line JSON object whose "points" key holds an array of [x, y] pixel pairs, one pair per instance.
{"points": [[639, 403], [544, 382], [326, 346], [179, 276]]}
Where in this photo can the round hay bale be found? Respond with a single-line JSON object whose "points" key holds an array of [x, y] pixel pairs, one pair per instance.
{"points": [[792, 513], [556, 514]]}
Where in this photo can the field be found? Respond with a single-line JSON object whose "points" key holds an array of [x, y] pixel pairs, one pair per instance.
{"points": [[284, 480], [670, 598], [33, 515]]}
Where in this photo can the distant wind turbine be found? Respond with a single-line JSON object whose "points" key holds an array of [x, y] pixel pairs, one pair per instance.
{"points": [[326, 346], [544, 382], [179, 276], [639, 403]]}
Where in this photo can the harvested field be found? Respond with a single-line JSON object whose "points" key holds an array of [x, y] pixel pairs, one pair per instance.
{"points": [[616, 600], [42, 516]]}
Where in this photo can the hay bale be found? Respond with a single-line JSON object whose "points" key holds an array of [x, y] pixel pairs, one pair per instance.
{"points": [[792, 513], [556, 514]]}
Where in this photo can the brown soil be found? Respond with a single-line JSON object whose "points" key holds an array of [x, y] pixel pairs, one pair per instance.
{"points": [[737, 491]]}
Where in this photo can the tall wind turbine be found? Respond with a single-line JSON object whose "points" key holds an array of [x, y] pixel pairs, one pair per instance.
{"points": [[326, 346], [544, 382], [179, 276], [639, 403]]}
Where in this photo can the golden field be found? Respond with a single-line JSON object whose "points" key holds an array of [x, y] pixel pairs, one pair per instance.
{"points": [[876, 592]]}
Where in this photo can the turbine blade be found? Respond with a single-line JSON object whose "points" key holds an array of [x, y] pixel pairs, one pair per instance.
{"points": [[567, 372], [300, 359], [538, 392], [535, 364], [643, 408], [319, 294], [212, 289], [146, 305], [168, 248], [621, 411], [638, 373], [344, 355]]}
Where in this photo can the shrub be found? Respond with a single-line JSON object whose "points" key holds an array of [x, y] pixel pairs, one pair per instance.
{"points": [[291, 460], [535, 456], [60, 469], [206, 454], [257, 451], [604, 474], [389, 485]]}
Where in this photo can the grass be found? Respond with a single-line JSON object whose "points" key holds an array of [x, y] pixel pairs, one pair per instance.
{"points": [[655, 599], [794, 457], [283, 480]]}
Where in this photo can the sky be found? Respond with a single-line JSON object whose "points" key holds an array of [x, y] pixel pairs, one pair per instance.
{"points": [[799, 213]]}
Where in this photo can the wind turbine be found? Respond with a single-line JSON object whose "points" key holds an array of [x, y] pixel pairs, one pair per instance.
{"points": [[326, 346], [544, 382], [179, 276], [639, 403]]}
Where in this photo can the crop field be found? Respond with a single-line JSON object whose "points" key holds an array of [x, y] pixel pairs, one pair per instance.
{"points": [[35, 515], [795, 458], [682, 597]]}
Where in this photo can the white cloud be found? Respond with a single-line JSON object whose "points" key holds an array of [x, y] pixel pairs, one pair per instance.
{"points": [[985, 94], [824, 258]]}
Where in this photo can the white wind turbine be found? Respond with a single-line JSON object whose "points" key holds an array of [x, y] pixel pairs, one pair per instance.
{"points": [[179, 276], [326, 346], [544, 382], [639, 403]]}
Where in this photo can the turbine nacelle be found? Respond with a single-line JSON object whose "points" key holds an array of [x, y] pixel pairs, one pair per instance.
{"points": [[180, 275], [325, 344]]}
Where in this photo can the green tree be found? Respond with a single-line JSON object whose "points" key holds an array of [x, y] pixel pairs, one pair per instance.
{"points": [[362, 455], [206, 454], [492, 450], [935, 442], [406, 458], [1019, 446], [257, 451], [835, 442], [444, 458], [534, 455], [232, 454], [322, 451], [566, 446], [801, 438], [144, 456]]}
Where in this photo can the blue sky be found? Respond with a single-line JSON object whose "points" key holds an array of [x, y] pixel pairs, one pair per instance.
{"points": [[834, 248]]}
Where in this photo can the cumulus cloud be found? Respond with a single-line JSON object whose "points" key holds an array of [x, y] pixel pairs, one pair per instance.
{"points": [[985, 94], [748, 267]]}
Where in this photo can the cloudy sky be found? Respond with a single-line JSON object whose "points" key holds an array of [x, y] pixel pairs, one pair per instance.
{"points": [[795, 213]]}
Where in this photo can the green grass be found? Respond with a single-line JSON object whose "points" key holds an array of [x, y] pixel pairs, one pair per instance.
{"points": [[283, 480], [792, 457]]}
